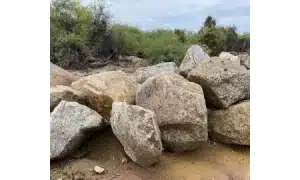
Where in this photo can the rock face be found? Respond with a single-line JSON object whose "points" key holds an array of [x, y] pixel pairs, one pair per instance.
{"points": [[232, 125], [66, 93], [228, 56], [142, 74], [224, 81], [180, 109], [70, 122], [193, 57], [59, 76], [245, 60], [137, 130], [104, 88]]}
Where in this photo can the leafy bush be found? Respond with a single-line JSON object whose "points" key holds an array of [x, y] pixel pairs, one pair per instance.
{"points": [[79, 32]]}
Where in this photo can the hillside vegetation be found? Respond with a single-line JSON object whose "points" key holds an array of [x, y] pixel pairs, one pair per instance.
{"points": [[83, 34]]}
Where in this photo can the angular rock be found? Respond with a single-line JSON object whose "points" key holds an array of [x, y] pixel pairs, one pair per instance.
{"points": [[70, 124], [228, 56], [98, 170], [245, 60], [66, 93], [137, 130], [180, 109], [59, 76], [193, 57], [104, 88], [224, 81], [142, 74], [232, 125]]}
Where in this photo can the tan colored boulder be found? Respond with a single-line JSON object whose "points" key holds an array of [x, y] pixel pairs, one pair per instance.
{"points": [[104, 88], [59, 93], [137, 130], [232, 125], [224, 81], [180, 109], [59, 76]]}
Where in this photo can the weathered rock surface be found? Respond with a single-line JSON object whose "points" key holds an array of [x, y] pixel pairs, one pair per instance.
{"points": [[232, 125], [137, 130], [70, 123], [193, 57], [104, 88], [224, 81], [66, 93], [228, 56], [180, 109], [142, 74], [59, 76], [245, 60]]}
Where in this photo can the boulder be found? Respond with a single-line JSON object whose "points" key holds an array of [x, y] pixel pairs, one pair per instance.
{"points": [[70, 124], [142, 74], [137, 130], [232, 125], [228, 56], [104, 88], [193, 57], [66, 93], [224, 81], [180, 109], [245, 60], [59, 76]]}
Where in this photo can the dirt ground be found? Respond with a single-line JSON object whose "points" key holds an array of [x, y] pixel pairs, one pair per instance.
{"points": [[212, 161]]}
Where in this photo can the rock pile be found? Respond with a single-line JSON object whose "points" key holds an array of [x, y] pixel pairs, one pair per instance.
{"points": [[162, 107]]}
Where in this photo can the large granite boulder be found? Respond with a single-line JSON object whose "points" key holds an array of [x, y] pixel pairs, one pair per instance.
{"points": [[137, 130], [224, 81], [59, 93], [232, 125], [142, 74], [59, 76], [193, 57], [180, 109], [104, 88], [70, 124]]}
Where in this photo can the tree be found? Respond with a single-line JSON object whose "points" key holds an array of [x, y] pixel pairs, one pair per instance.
{"points": [[209, 22]]}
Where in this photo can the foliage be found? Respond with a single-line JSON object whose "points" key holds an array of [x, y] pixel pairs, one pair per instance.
{"points": [[79, 32]]}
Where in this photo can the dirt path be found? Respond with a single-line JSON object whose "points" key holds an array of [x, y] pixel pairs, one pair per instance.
{"points": [[212, 161]]}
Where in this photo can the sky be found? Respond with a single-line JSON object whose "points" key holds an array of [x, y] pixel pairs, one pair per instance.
{"points": [[183, 14]]}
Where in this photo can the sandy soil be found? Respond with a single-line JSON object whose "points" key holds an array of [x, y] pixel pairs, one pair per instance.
{"points": [[212, 161]]}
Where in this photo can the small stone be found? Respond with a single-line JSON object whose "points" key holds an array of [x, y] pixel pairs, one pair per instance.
{"points": [[124, 160], [98, 169]]}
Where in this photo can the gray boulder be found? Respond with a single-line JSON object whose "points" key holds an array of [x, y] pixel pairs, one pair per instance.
{"points": [[245, 60], [70, 124], [232, 125], [228, 56], [224, 81], [142, 74], [66, 93], [193, 57], [137, 130], [180, 109]]}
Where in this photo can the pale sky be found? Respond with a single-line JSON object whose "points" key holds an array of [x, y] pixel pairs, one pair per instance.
{"points": [[183, 14]]}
